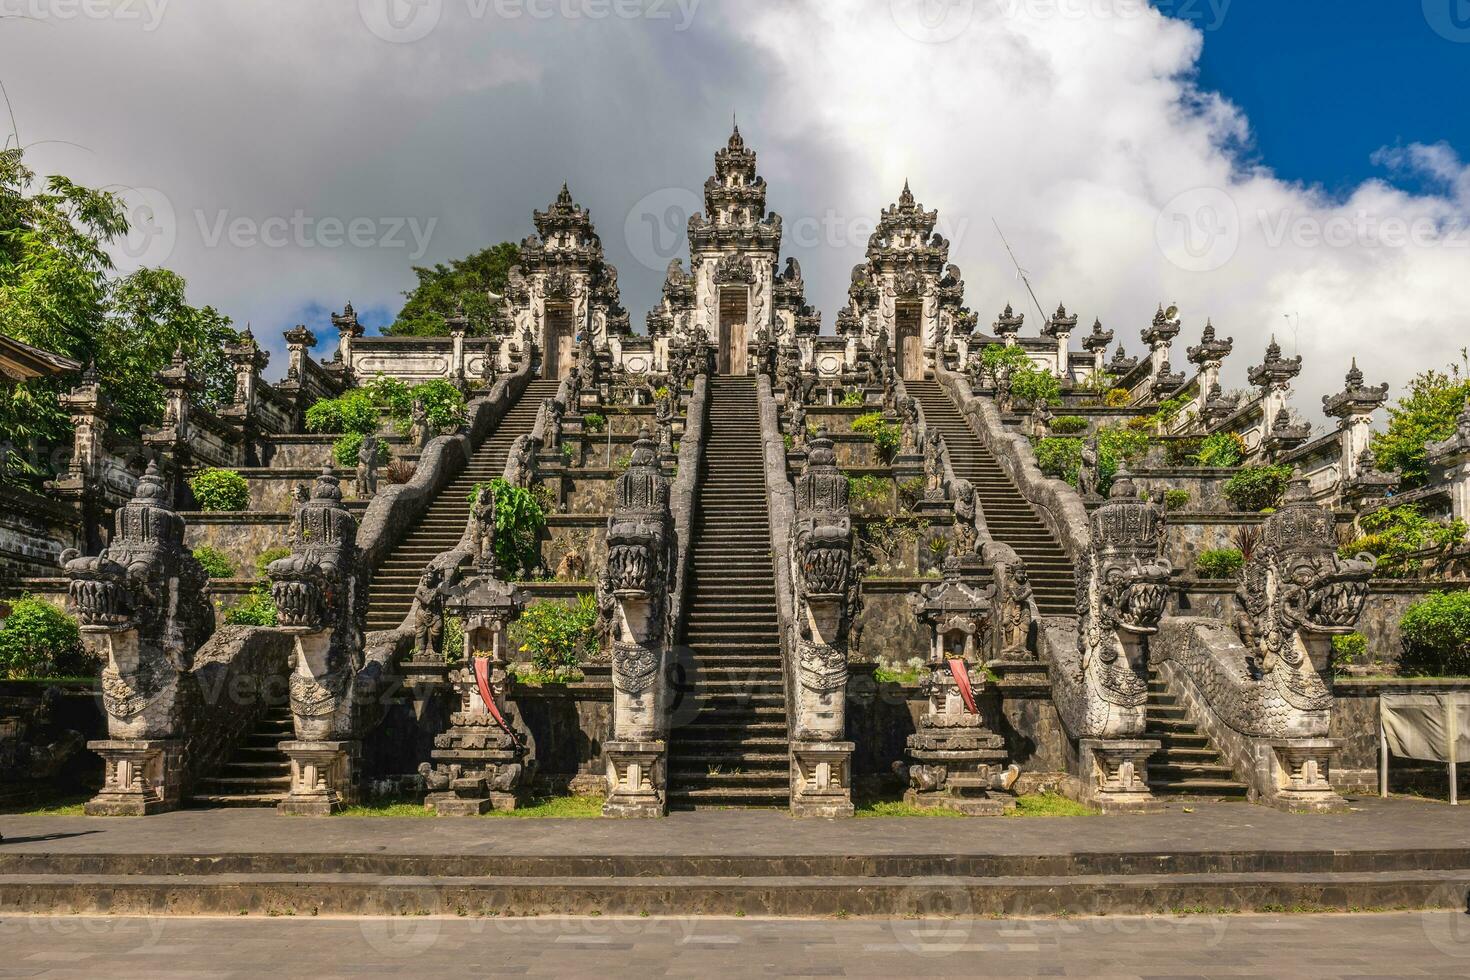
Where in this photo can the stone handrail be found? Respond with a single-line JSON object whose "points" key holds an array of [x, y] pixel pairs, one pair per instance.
{"points": [[781, 506], [1059, 505], [684, 494], [395, 508]]}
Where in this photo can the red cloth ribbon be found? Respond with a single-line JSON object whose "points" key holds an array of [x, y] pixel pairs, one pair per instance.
{"points": [[482, 681], [961, 675]]}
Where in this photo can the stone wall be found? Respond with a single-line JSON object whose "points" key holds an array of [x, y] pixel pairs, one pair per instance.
{"points": [[242, 536], [34, 531], [568, 724], [44, 729]]}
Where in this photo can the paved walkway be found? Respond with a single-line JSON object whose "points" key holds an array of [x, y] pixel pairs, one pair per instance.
{"points": [[1300, 947], [1394, 825]]}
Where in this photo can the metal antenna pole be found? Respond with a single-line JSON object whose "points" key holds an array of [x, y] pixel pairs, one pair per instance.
{"points": [[1019, 271]]}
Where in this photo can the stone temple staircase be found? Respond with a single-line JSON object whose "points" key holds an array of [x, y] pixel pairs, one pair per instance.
{"points": [[258, 774], [1188, 764], [1011, 518], [390, 594], [733, 752]]}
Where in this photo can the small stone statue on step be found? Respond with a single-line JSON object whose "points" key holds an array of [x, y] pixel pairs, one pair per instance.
{"points": [[428, 616], [366, 483], [798, 426], [418, 431], [482, 528], [1087, 470]]}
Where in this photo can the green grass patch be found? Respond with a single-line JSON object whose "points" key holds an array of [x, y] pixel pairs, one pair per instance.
{"points": [[898, 808], [67, 806], [562, 807], [1050, 805]]}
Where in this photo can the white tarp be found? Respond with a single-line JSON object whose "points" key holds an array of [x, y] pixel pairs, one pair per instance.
{"points": [[1427, 726]]}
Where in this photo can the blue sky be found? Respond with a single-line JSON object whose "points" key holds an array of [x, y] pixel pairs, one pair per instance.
{"points": [[1325, 83]]}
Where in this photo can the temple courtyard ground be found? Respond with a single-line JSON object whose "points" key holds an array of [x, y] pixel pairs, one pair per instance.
{"points": [[1204, 858], [1299, 946]]}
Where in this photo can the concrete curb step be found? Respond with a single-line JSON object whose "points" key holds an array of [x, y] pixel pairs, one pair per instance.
{"points": [[346, 894]]}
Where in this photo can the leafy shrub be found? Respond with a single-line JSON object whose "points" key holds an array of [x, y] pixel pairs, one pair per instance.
{"points": [[1064, 425], [1182, 452], [1427, 414], [1168, 411], [594, 422], [392, 395], [444, 405], [864, 488], [853, 399], [557, 636], [1175, 499], [216, 563], [520, 518], [1256, 488], [354, 411], [1436, 634], [1404, 540], [264, 559], [1219, 563], [257, 608], [1003, 357], [885, 435], [1351, 648], [345, 449], [1061, 456], [1223, 449], [1117, 398], [39, 640], [453, 641], [1036, 386], [220, 490]]}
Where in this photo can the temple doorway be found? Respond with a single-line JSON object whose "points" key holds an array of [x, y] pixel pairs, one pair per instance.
{"points": [[733, 330], [559, 350], [908, 346]]}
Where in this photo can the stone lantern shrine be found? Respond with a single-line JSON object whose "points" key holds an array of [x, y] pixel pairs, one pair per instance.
{"points": [[956, 761], [482, 762]]}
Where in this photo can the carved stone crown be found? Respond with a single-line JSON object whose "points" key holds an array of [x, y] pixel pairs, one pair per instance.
{"points": [[644, 487], [822, 488], [1126, 524], [1299, 526]]}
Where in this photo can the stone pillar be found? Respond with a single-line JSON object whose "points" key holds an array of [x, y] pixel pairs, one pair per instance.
{"points": [[1208, 355], [299, 342], [348, 330], [458, 325], [1008, 325], [1096, 343], [143, 613], [828, 596], [317, 592], [1159, 336], [82, 482], [1353, 407], [633, 597], [1059, 328], [1273, 377]]}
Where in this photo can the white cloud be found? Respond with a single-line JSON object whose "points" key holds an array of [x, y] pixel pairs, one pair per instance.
{"points": [[1073, 123]]}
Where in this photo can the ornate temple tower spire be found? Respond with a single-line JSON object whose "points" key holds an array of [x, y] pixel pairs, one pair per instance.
{"points": [[907, 290], [729, 295]]}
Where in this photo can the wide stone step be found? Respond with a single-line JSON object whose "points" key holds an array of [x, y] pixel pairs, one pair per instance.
{"points": [[1196, 787], [259, 800]]}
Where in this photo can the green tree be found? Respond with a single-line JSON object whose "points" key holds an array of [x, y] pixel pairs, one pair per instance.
{"points": [[466, 282], [59, 291], [1426, 414]]}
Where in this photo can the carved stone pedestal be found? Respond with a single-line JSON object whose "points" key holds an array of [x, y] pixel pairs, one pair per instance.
{"points": [[1115, 774], [821, 779], [1295, 774], [960, 769], [477, 765], [321, 777], [635, 779], [142, 776]]}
